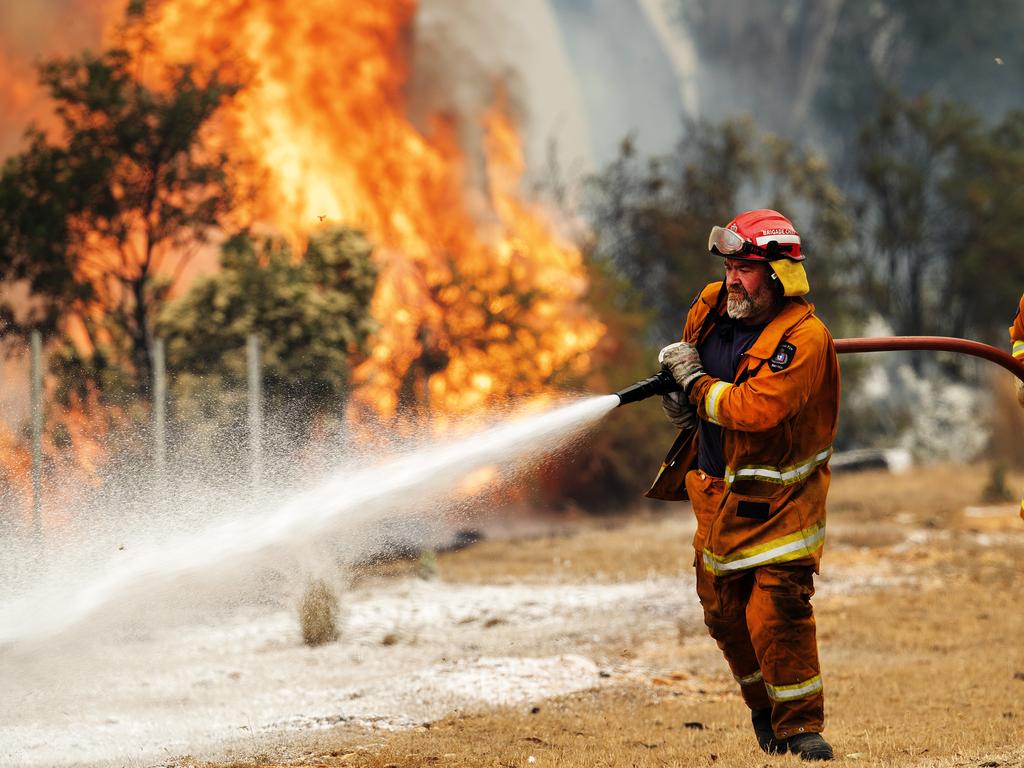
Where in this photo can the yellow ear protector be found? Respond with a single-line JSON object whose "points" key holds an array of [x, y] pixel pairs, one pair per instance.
{"points": [[792, 276]]}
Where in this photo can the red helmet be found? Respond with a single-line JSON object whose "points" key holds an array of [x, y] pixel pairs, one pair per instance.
{"points": [[764, 235], [761, 235]]}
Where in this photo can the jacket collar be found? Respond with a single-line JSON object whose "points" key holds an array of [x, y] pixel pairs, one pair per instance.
{"points": [[792, 313]]}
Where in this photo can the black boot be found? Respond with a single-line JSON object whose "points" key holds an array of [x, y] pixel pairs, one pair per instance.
{"points": [[810, 746], [762, 721]]}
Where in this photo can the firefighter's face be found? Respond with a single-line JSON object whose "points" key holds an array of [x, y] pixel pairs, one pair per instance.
{"points": [[750, 291]]}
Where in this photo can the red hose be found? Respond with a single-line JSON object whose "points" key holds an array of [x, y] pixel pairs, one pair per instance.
{"points": [[940, 343]]}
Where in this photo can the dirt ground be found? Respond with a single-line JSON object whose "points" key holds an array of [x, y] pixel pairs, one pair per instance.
{"points": [[920, 616]]}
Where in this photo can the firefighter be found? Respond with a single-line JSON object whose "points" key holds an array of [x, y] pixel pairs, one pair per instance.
{"points": [[758, 415], [1017, 342], [1017, 349]]}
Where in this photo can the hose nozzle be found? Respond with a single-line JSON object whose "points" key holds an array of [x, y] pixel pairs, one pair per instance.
{"points": [[660, 383]]}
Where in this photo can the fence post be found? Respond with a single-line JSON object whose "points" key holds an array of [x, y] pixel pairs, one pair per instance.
{"points": [[36, 377], [159, 410], [255, 411]]}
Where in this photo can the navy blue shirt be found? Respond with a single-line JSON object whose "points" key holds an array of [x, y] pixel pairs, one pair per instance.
{"points": [[720, 355]]}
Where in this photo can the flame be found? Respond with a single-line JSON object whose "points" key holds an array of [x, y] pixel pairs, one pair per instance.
{"points": [[477, 299], [33, 31]]}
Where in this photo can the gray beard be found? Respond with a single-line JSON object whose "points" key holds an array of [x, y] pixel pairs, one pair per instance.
{"points": [[739, 307]]}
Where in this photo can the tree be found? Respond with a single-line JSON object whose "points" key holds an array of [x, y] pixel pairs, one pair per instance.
{"points": [[906, 156], [102, 222], [939, 204], [34, 228], [311, 316], [987, 272]]}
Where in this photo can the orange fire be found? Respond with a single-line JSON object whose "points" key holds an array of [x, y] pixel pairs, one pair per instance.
{"points": [[28, 32], [477, 298]]}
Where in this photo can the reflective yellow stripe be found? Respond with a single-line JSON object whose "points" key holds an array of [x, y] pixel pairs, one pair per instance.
{"points": [[779, 475], [1018, 349], [748, 679], [711, 400], [796, 691], [780, 550]]}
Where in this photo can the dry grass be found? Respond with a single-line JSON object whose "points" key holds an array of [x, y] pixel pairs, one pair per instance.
{"points": [[928, 675], [930, 496]]}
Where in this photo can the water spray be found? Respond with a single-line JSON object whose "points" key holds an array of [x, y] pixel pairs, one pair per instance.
{"points": [[662, 382]]}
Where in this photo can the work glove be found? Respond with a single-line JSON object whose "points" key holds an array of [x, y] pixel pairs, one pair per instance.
{"points": [[683, 361], [679, 411], [1020, 391]]}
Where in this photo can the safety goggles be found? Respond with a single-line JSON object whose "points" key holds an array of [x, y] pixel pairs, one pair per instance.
{"points": [[725, 242]]}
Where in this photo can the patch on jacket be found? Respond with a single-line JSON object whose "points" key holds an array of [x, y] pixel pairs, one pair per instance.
{"points": [[782, 356]]}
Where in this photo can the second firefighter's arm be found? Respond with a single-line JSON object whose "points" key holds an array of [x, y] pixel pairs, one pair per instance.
{"points": [[1017, 349], [1017, 332]]}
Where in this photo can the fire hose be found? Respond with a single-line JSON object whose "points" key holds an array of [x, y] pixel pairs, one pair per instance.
{"points": [[662, 382]]}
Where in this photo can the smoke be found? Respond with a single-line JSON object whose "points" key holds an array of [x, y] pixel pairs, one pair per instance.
{"points": [[582, 74], [678, 47], [629, 82], [465, 55]]}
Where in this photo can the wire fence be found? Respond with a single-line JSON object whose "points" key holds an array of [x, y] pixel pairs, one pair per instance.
{"points": [[157, 428]]}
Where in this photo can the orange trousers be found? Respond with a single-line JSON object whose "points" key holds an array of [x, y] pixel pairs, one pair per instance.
{"points": [[762, 620]]}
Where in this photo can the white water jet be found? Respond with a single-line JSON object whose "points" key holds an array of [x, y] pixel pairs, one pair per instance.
{"points": [[342, 502]]}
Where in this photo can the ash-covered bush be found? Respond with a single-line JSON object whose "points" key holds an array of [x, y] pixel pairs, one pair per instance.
{"points": [[318, 614]]}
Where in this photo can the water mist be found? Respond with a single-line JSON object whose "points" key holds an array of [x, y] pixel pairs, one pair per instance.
{"points": [[127, 615]]}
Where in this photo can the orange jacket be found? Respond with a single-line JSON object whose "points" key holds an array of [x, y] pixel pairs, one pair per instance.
{"points": [[1017, 331], [779, 419]]}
